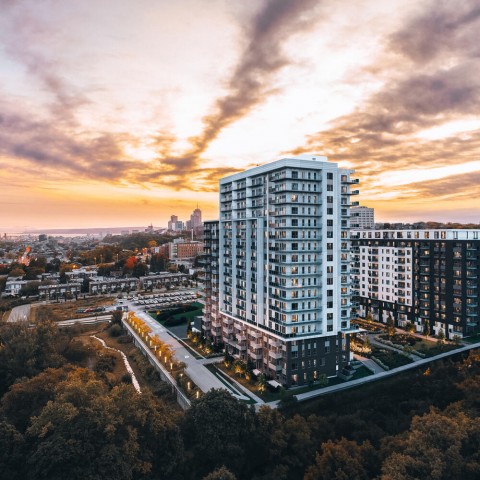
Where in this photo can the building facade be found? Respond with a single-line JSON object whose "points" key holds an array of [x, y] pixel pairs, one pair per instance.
{"points": [[283, 272], [363, 218], [427, 277]]}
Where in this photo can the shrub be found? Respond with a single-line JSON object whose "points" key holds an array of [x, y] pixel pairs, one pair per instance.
{"points": [[115, 330]]}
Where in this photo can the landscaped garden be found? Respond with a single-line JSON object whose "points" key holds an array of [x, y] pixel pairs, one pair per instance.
{"points": [[389, 358]]}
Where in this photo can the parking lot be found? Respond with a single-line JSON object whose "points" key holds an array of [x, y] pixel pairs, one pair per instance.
{"points": [[164, 300]]}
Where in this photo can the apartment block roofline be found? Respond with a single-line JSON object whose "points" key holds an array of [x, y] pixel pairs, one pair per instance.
{"points": [[299, 161], [435, 234]]}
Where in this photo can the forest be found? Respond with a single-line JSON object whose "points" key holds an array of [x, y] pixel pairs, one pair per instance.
{"points": [[63, 417]]}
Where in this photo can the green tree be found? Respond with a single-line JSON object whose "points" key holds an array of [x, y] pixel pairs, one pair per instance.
{"points": [[29, 289], [12, 452], [390, 326], [426, 328], [117, 316], [216, 431], [441, 336], [26, 351], [140, 269]]}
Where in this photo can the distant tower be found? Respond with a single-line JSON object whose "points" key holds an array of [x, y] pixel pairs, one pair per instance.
{"points": [[363, 218], [172, 224]]}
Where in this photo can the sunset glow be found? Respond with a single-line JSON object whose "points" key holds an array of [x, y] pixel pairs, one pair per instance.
{"points": [[120, 113]]}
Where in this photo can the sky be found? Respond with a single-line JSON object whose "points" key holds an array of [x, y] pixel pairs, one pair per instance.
{"points": [[124, 112]]}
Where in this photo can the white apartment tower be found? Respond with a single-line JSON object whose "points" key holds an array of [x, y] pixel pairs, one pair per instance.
{"points": [[363, 218], [284, 268]]}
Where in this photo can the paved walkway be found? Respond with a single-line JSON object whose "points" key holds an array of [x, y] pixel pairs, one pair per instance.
{"points": [[20, 313], [369, 363], [203, 378]]}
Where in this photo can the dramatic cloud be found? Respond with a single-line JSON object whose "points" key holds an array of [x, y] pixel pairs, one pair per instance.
{"points": [[249, 83], [382, 134], [155, 103]]}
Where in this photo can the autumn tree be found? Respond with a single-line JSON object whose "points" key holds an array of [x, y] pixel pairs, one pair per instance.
{"points": [[433, 449], [221, 473], [216, 431], [344, 460], [87, 431]]}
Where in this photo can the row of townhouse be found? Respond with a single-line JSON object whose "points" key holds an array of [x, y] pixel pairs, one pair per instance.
{"points": [[115, 285]]}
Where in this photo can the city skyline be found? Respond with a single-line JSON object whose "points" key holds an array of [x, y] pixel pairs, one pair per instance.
{"points": [[123, 113]]}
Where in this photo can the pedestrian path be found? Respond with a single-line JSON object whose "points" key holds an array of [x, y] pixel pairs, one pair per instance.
{"points": [[374, 367], [203, 378], [128, 367]]}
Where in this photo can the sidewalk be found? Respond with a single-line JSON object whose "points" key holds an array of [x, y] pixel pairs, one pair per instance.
{"points": [[369, 363], [203, 378]]}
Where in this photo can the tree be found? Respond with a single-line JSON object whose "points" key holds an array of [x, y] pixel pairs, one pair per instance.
{"points": [[441, 336], [140, 269], [17, 272], [89, 431], [221, 473], [12, 452], [216, 431], [262, 383], [117, 316], [26, 398], [27, 351], [426, 328], [390, 326], [344, 460], [410, 327], [32, 273], [432, 449], [29, 289]]}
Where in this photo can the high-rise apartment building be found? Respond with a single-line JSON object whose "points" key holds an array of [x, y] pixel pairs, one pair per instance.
{"points": [[278, 268], [428, 277], [363, 218]]}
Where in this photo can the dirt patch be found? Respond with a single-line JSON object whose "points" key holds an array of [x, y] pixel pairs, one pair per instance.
{"points": [[70, 310]]}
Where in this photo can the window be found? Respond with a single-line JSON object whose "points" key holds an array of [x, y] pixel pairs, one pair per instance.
{"points": [[330, 176]]}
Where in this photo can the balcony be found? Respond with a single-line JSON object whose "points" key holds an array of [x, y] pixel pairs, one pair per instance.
{"points": [[255, 355], [275, 355], [274, 367]]}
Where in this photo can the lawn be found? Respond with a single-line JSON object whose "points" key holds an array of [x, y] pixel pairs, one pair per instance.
{"points": [[474, 339], [431, 349], [389, 358], [361, 372]]}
